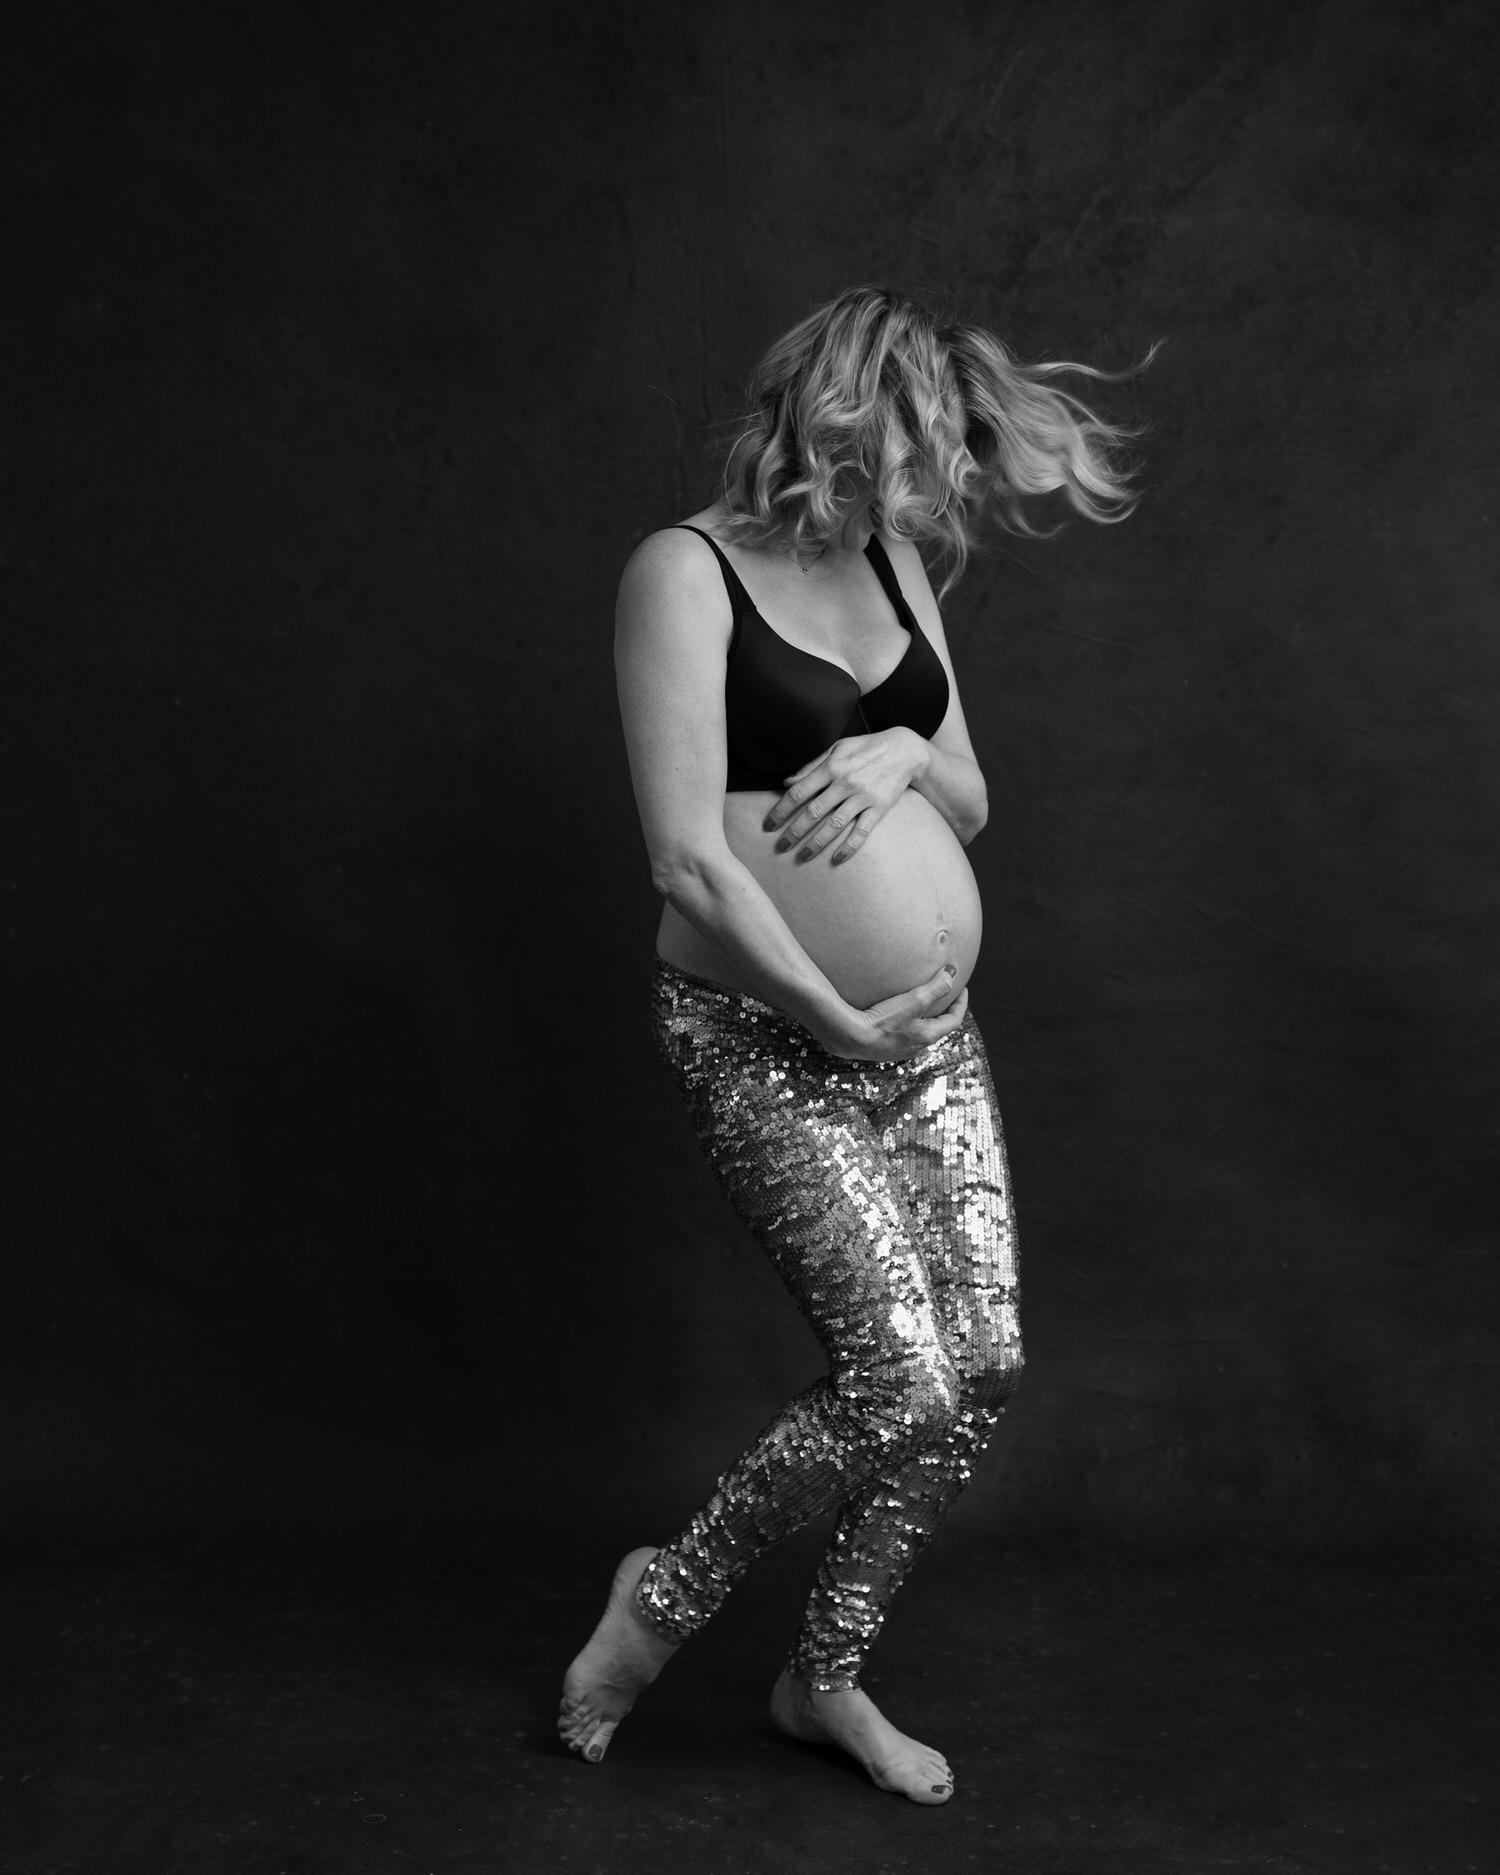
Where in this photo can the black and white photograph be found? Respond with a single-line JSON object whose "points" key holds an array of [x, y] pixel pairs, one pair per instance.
{"points": [[750, 886]]}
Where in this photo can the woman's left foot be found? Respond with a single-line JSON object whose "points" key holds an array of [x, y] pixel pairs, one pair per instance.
{"points": [[623, 1657], [853, 1721]]}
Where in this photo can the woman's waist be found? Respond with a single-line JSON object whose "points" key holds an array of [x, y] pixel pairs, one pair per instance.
{"points": [[700, 1020]]}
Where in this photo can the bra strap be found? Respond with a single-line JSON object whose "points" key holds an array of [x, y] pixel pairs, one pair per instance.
{"points": [[739, 598], [876, 554]]}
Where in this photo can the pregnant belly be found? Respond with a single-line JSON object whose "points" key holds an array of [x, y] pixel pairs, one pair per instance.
{"points": [[883, 922]]}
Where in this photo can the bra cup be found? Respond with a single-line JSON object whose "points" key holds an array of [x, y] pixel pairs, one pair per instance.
{"points": [[919, 683], [783, 705]]}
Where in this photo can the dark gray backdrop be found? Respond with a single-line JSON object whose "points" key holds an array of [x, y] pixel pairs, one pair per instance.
{"points": [[350, 352]]}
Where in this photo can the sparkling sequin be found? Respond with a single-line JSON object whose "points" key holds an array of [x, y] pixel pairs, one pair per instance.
{"points": [[881, 1193]]}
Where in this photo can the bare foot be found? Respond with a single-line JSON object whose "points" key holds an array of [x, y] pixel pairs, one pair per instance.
{"points": [[624, 1654], [855, 1722]]}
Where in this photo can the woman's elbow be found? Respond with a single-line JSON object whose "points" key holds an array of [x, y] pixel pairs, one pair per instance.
{"points": [[666, 876], [974, 820], [677, 871]]}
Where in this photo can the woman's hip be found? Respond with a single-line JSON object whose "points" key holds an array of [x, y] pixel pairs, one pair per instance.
{"points": [[713, 1038]]}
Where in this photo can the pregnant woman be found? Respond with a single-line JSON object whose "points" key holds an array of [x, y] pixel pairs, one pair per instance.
{"points": [[807, 786]]}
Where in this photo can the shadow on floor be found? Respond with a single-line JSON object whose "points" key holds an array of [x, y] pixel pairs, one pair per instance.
{"points": [[313, 1714]]}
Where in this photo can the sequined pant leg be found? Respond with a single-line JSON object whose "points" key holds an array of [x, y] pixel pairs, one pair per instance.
{"points": [[947, 1151], [854, 1176]]}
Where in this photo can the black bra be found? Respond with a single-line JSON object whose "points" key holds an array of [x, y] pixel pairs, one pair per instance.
{"points": [[784, 705]]}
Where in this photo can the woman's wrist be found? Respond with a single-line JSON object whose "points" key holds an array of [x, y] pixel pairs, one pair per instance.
{"points": [[921, 759], [846, 1031], [955, 788]]}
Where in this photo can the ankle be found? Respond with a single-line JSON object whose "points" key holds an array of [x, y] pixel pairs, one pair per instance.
{"points": [[819, 1690]]}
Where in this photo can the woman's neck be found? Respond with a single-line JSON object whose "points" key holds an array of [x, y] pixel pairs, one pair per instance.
{"points": [[859, 525]]}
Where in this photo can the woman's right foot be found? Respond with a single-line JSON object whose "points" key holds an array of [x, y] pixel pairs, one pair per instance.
{"points": [[624, 1655], [853, 1721]]}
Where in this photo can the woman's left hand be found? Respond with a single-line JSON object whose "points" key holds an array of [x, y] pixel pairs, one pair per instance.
{"points": [[837, 799]]}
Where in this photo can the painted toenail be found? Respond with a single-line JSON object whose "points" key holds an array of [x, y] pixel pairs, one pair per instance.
{"points": [[940, 1788]]}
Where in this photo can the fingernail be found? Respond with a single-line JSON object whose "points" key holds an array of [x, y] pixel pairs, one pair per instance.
{"points": [[839, 857], [951, 969], [783, 846], [768, 825], [806, 853]]}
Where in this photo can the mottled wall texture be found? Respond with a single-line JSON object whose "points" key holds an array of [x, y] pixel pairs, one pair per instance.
{"points": [[350, 351]]}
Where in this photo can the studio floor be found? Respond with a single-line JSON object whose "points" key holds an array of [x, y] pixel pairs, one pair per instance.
{"points": [[313, 1713]]}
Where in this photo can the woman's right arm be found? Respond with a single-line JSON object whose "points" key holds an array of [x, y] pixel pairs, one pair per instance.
{"points": [[672, 630]]}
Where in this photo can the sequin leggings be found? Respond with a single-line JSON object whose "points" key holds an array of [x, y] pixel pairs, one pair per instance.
{"points": [[881, 1193]]}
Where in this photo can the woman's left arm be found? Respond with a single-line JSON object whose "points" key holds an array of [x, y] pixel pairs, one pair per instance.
{"points": [[838, 799], [951, 780]]}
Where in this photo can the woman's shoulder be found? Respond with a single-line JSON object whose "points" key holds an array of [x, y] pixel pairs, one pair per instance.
{"points": [[677, 553], [665, 547], [673, 575]]}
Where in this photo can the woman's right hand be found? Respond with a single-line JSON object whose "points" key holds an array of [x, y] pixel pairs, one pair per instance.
{"points": [[902, 1026]]}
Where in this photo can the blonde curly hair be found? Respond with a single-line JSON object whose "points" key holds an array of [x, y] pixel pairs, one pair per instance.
{"points": [[869, 393]]}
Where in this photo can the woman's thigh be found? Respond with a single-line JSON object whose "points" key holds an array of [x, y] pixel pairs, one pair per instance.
{"points": [[946, 1148], [809, 1175]]}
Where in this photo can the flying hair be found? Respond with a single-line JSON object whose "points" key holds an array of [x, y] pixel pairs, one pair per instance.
{"points": [[943, 424]]}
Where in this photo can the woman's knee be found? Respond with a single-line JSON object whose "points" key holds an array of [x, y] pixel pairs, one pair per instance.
{"points": [[916, 1404]]}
